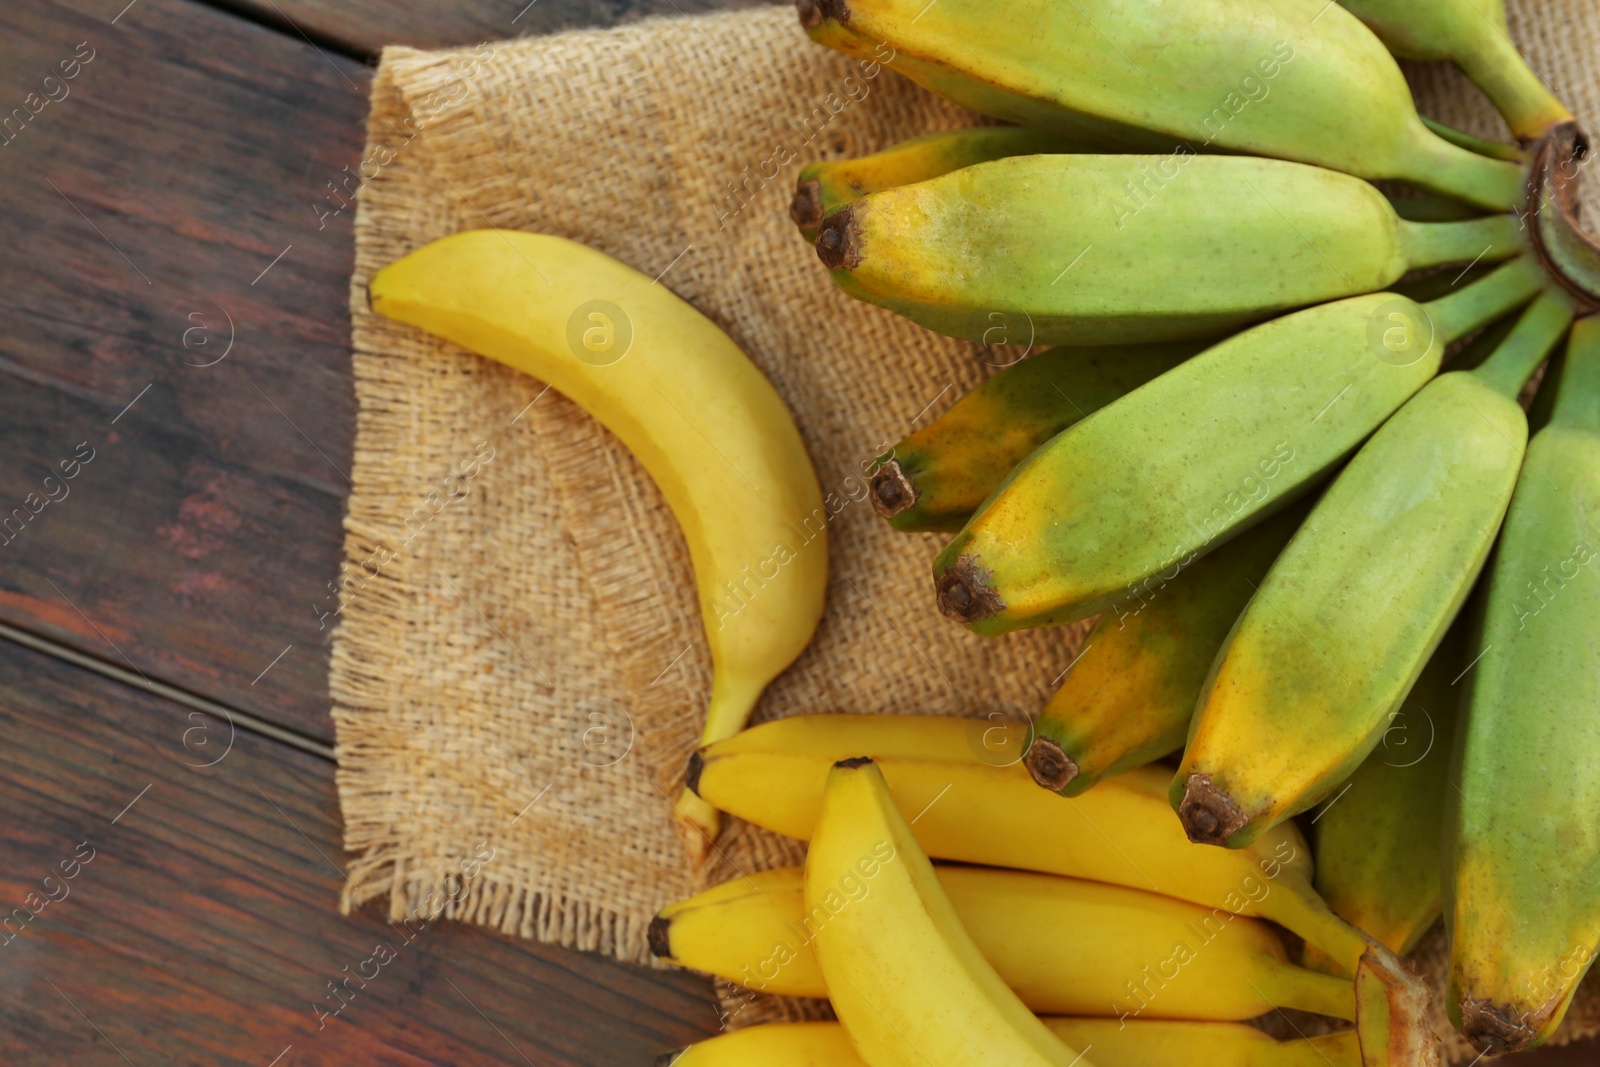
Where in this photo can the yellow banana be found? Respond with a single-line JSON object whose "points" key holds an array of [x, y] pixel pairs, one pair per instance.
{"points": [[939, 475], [1064, 945], [905, 978], [1137, 1043], [961, 783], [834, 183], [708, 426]]}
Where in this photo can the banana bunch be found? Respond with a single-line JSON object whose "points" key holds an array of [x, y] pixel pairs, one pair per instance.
{"points": [[1122, 918], [1279, 438]]}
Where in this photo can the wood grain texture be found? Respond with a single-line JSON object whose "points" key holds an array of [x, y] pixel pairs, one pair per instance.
{"points": [[189, 153], [203, 929], [362, 28]]}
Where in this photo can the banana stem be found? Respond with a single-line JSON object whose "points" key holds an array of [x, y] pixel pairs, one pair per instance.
{"points": [[1439, 165], [1530, 341], [1505, 77], [1493, 149], [1296, 987], [1297, 907], [1578, 392], [732, 699], [1486, 299], [1428, 244]]}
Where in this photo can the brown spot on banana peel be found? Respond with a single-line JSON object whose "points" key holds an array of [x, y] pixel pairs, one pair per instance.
{"points": [[1050, 765], [1209, 816], [892, 492], [839, 240], [806, 207], [1495, 1028], [1392, 1018], [659, 937], [964, 593], [1552, 213]]}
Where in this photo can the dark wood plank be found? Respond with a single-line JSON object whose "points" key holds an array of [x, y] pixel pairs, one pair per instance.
{"points": [[362, 28], [203, 928], [190, 152]]}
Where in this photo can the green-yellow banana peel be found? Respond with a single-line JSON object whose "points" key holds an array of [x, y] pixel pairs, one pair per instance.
{"points": [[1473, 35], [831, 184], [1349, 614], [1292, 79], [935, 478], [1132, 495], [1523, 877], [1378, 840], [1099, 249], [1129, 696]]}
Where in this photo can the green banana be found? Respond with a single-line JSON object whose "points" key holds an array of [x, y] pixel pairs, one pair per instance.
{"points": [[1128, 697], [1523, 872], [830, 184], [1352, 609], [1378, 841], [939, 475], [1151, 482], [1473, 35], [1292, 79], [1096, 249]]}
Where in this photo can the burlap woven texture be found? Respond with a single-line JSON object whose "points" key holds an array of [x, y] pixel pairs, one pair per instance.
{"points": [[519, 665]]}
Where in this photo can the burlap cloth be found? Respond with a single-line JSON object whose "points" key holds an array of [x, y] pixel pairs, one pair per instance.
{"points": [[519, 671]]}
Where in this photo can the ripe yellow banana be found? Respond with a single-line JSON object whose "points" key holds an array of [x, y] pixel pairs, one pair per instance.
{"points": [[1472, 34], [905, 977], [683, 398], [1136, 1043], [1523, 863], [961, 783], [1128, 698], [939, 475], [1233, 75], [824, 186], [1066, 946], [1350, 612], [1378, 842], [1114, 249], [1137, 491]]}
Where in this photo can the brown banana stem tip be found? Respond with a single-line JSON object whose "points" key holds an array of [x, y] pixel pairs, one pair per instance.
{"points": [[1210, 816], [659, 937], [1050, 765], [691, 781], [1566, 251], [892, 492], [1495, 1028], [667, 1059], [839, 240], [964, 593], [806, 207], [853, 762], [810, 13]]}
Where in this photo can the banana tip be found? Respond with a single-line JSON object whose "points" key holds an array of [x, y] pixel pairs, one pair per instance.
{"points": [[659, 937], [1050, 765], [854, 762], [806, 207], [964, 593], [839, 240], [1209, 816], [892, 492], [697, 764], [1495, 1028], [814, 13], [666, 1059]]}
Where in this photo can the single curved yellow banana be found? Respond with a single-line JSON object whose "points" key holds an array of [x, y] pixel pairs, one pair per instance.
{"points": [[1138, 1043], [962, 784], [1064, 945], [708, 426], [905, 977]]}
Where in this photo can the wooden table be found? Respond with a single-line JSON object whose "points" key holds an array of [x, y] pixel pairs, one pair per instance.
{"points": [[176, 341]]}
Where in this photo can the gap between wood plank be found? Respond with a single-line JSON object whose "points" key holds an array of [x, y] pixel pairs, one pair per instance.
{"points": [[242, 719]]}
